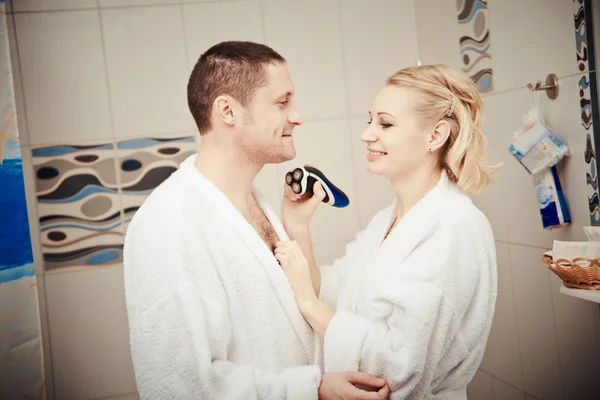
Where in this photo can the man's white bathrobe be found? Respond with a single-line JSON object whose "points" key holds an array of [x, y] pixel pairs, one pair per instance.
{"points": [[416, 308], [211, 313]]}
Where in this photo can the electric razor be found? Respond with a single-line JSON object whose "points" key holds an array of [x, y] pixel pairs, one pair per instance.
{"points": [[302, 179]]}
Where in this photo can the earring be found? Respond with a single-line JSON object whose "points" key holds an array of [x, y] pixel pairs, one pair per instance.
{"points": [[429, 151]]}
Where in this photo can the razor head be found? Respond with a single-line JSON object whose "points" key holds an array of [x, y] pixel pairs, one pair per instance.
{"points": [[293, 183], [301, 180]]}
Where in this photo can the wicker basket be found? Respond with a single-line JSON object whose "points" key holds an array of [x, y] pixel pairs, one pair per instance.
{"points": [[580, 273]]}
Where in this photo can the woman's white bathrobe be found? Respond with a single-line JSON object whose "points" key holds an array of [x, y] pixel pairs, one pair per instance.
{"points": [[211, 313], [416, 308]]}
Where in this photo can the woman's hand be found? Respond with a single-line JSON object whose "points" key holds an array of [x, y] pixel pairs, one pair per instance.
{"points": [[297, 270], [298, 210]]}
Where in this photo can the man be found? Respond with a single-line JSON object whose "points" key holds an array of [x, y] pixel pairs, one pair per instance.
{"points": [[211, 313]]}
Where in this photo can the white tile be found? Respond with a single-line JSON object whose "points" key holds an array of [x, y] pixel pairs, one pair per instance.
{"points": [[270, 186], [53, 5], [523, 217], [578, 333], [503, 113], [89, 333], [127, 3], [203, 25], [21, 367], [502, 356], [502, 391], [480, 388], [378, 40], [63, 76], [327, 253], [48, 372], [32, 211], [437, 32], [18, 88], [147, 72], [535, 322], [308, 35], [491, 201], [373, 192], [502, 117], [530, 39], [325, 145]]}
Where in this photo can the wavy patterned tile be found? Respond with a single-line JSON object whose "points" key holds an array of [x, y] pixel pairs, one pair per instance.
{"points": [[78, 205], [588, 84], [146, 163], [475, 42]]}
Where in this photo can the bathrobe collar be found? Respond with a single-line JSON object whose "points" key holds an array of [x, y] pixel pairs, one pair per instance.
{"points": [[247, 235]]}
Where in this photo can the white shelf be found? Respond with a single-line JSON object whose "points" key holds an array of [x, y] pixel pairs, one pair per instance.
{"points": [[591, 295]]}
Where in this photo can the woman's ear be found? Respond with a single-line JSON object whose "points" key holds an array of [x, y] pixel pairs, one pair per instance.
{"points": [[439, 135]]}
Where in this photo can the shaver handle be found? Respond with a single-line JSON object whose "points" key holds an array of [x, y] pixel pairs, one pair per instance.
{"points": [[310, 182]]}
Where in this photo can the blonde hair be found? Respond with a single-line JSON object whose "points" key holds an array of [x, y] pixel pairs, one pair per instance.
{"points": [[462, 155]]}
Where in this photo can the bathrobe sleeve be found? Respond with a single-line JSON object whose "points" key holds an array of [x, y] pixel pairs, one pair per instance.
{"points": [[180, 326], [413, 327]]}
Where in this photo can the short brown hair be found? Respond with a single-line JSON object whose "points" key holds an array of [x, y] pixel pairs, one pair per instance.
{"points": [[234, 68]]}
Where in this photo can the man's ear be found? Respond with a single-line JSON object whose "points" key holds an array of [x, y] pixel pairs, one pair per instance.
{"points": [[224, 109], [439, 135]]}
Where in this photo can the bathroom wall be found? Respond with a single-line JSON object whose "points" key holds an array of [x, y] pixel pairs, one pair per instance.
{"points": [[102, 109], [100, 87], [543, 345]]}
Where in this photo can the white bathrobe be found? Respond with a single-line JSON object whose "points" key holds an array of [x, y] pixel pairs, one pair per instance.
{"points": [[416, 308], [211, 313]]}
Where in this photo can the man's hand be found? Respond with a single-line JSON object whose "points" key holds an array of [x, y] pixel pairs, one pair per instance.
{"points": [[343, 386]]}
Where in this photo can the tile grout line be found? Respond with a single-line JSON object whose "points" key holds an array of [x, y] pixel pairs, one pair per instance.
{"points": [[514, 89], [99, 141], [51, 360], [519, 331], [185, 43], [21, 81], [112, 127], [353, 155], [261, 7], [28, 145], [116, 7], [507, 383], [555, 326], [278, 167], [523, 245]]}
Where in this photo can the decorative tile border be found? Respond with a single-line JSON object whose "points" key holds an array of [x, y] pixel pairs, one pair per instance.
{"points": [[82, 204], [78, 205], [475, 42], [146, 163], [588, 94]]}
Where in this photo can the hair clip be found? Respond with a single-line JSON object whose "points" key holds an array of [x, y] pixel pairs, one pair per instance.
{"points": [[451, 110]]}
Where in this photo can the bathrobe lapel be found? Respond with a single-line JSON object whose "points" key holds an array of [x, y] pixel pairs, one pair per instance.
{"points": [[262, 255], [413, 229], [419, 222]]}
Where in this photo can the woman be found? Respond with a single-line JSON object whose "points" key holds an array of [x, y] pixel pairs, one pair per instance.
{"points": [[413, 298]]}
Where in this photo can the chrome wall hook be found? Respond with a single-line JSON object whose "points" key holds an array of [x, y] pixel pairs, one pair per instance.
{"points": [[550, 86]]}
